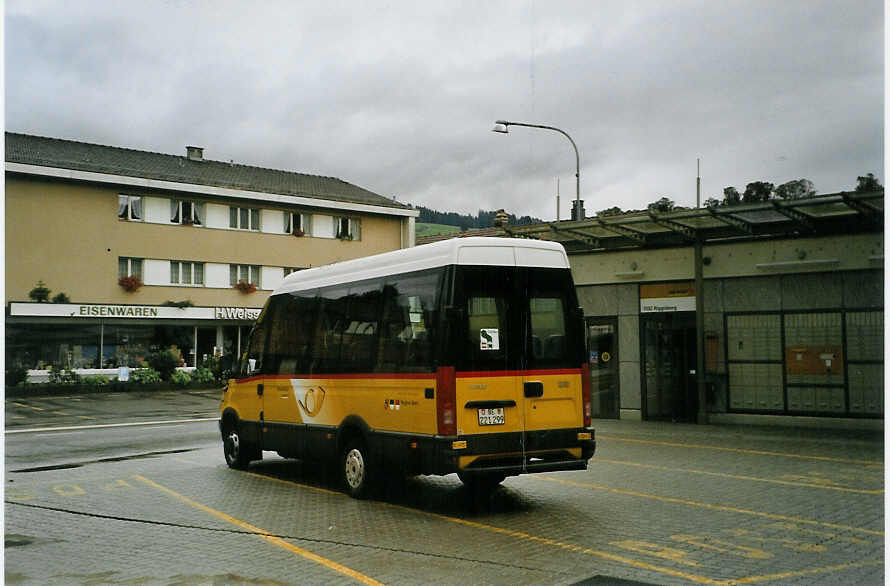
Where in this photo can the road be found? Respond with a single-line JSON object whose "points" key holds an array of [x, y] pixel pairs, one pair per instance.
{"points": [[660, 504]]}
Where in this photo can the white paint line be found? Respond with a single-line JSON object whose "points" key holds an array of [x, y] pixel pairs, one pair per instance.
{"points": [[107, 425]]}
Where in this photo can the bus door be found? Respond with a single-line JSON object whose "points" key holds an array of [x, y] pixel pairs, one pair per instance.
{"points": [[551, 385], [488, 389]]}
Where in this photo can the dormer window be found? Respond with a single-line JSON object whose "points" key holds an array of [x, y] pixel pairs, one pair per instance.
{"points": [[348, 228], [129, 207], [297, 224], [186, 212]]}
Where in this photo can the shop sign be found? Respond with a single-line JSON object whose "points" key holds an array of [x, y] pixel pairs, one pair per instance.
{"points": [[98, 310], [667, 297], [236, 313]]}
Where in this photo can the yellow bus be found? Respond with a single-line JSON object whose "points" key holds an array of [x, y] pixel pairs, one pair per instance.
{"points": [[464, 356]]}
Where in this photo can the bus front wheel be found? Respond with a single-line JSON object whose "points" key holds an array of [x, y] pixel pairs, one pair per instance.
{"points": [[356, 469], [238, 452]]}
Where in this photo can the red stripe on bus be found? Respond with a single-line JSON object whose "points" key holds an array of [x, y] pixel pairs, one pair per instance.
{"points": [[414, 375], [495, 373]]}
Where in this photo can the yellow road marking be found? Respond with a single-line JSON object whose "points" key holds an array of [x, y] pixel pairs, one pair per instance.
{"points": [[806, 572], [737, 450], [625, 560], [263, 534], [679, 501], [742, 477], [511, 533], [618, 558]]}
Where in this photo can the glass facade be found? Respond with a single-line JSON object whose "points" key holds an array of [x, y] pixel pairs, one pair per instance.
{"points": [[80, 346]]}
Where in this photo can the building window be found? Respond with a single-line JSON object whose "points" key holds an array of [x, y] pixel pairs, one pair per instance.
{"points": [[245, 274], [186, 273], [348, 228], [289, 270], [297, 224], [129, 207], [244, 218], [186, 212], [129, 267]]}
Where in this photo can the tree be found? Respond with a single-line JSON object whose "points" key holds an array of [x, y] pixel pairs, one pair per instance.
{"points": [[40, 293], [731, 196], [757, 191], [796, 189], [662, 205], [61, 298], [868, 183], [712, 202], [612, 211]]}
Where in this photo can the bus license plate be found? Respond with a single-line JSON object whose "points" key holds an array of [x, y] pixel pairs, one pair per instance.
{"points": [[493, 416]]}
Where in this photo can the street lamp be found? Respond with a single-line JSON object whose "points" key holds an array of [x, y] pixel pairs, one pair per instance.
{"points": [[500, 126]]}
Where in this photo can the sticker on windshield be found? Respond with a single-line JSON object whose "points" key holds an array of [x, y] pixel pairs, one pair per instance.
{"points": [[489, 339]]}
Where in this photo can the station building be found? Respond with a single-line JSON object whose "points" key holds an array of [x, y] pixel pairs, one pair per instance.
{"points": [[164, 251], [789, 298]]}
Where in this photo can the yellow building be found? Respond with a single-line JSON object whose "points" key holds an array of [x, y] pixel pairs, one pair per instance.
{"points": [[155, 250]]}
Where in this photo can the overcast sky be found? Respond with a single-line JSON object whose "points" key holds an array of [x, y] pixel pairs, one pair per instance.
{"points": [[400, 97]]}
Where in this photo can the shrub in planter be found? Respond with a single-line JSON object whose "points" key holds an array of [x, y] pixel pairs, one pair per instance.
{"points": [[165, 362], [181, 378], [16, 375], [58, 376], [145, 376], [95, 380], [204, 376]]}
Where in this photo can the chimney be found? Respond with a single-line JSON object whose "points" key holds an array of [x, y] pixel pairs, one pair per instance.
{"points": [[194, 153]]}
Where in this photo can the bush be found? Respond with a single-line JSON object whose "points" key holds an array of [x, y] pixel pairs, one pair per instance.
{"points": [[164, 362], [204, 375], [95, 379], [145, 376], [16, 375], [64, 377], [181, 378]]}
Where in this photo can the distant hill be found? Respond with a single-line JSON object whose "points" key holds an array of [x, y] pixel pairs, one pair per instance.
{"points": [[482, 219], [428, 229]]}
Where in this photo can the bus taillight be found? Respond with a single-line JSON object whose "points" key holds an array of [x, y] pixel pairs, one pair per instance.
{"points": [[446, 414], [585, 393]]}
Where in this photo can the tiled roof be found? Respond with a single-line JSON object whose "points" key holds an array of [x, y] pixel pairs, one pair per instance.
{"points": [[81, 156], [492, 231]]}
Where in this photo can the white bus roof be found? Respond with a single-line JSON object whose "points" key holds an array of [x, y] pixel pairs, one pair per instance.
{"points": [[456, 251]]}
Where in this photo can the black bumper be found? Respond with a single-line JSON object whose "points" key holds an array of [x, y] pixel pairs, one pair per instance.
{"points": [[508, 453]]}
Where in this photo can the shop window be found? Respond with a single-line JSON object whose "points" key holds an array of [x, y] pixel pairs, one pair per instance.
{"points": [[129, 267], [348, 228], [129, 207], [244, 218], [186, 212], [244, 274], [297, 224], [186, 273]]}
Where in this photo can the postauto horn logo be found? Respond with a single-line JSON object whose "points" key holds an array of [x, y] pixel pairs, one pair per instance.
{"points": [[309, 399]]}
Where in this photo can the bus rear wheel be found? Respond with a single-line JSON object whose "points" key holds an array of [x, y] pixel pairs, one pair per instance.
{"points": [[482, 482], [238, 452], [356, 469]]}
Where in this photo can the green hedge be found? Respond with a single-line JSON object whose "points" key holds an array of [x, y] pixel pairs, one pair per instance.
{"points": [[36, 389]]}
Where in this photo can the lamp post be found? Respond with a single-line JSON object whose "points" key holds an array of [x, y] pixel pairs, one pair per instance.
{"points": [[501, 127]]}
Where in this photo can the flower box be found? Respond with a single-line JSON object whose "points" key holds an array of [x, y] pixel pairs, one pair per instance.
{"points": [[245, 287], [130, 284]]}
